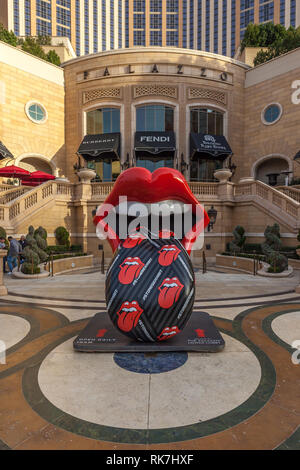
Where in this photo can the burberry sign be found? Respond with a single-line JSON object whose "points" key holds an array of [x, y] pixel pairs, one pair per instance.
{"points": [[156, 69]]}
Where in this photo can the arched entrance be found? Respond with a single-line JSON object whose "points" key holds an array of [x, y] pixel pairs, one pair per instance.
{"points": [[36, 163], [273, 170]]}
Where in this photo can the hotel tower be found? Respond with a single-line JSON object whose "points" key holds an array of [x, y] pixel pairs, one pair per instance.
{"points": [[98, 25]]}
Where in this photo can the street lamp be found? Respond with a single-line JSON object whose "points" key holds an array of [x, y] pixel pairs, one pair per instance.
{"points": [[212, 214]]}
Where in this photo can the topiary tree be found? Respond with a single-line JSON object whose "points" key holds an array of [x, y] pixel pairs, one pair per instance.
{"points": [[239, 240], [35, 250], [271, 249], [2, 233], [62, 236]]}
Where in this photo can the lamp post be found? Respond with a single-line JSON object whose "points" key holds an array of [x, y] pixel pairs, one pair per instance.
{"points": [[212, 214]]}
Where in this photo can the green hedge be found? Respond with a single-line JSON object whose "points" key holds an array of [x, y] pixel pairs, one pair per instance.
{"points": [[63, 248], [67, 256], [246, 255]]}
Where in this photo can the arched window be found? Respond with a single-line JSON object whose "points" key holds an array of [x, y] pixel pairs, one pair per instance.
{"points": [[207, 121], [104, 121], [152, 117]]}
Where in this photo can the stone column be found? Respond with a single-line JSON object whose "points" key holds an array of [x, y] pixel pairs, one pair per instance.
{"points": [[83, 195], [3, 290]]}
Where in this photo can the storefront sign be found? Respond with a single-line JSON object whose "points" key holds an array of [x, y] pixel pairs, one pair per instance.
{"points": [[157, 68]]}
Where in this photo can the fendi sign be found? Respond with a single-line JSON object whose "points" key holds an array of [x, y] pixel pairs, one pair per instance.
{"points": [[157, 69]]}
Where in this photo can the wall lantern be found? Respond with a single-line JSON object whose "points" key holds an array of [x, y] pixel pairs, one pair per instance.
{"points": [[183, 164], [212, 214], [126, 164], [297, 157]]}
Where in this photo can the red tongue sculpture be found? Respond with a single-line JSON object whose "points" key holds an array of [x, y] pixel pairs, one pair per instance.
{"points": [[150, 286]]}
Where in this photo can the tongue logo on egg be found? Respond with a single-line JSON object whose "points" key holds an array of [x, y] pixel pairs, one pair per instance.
{"points": [[128, 315], [169, 292], [130, 270], [168, 254], [168, 332], [134, 240]]}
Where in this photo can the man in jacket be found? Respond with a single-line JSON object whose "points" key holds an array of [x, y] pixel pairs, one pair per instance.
{"points": [[13, 252]]}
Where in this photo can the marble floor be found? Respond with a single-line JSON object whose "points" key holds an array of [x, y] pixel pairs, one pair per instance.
{"points": [[244, 397]]}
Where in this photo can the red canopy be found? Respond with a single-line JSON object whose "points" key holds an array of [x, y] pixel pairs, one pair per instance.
{"points": [[38, 176], [14, 171]]}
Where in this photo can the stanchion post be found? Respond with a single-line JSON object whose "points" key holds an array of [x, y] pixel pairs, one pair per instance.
{"points": [[3, 289], [52, 265], [102, 262]]}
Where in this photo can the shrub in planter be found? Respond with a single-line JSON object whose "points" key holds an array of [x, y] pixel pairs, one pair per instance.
{"points": [[35, 250], [2, 233], [62, 236], [271, 249], [239, 239]]}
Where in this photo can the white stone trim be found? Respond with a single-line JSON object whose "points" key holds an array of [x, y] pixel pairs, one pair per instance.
{"points": [[28, 63], [266, 123]]}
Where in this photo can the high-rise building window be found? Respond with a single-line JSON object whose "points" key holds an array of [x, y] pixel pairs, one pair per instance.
{"points": [[200, 45], [293, 13], [155, 21], [224, 28], [266, 11], [112, 24], [77, 16], [43, 28], [172, 38], [63, 31], [63, 16], [172, 5], [207, 35], [127, 24], [155, 38], [86, 27], [247, 15], [95, 17], [216, 25], [155, 5], [43, 9], [16, 17], [139, 38], [120, 21], [27, 18], [64, 3], [233, 24], [104, 25], [184, 24], [282, 12]]}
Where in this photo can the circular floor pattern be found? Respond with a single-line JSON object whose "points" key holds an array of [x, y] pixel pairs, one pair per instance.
{"points": [[145, 363], [12, 329], [287, 327], [93, 388]]}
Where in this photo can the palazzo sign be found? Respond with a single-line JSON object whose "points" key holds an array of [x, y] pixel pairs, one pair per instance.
{"points": [[156, 68]]}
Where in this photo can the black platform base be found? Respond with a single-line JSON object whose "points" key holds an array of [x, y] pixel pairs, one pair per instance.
{"points": [[199, 335]]}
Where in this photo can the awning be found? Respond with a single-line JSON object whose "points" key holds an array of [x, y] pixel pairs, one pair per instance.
{"points": [[213, 145], [4, 152], [100, 147], [155, 143]]}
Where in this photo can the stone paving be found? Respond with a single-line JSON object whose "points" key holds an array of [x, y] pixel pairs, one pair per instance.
{"points": [[55, 398]]}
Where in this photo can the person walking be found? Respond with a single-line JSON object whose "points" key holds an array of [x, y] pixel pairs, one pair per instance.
{"points": [[13, 252], [3, 247]]}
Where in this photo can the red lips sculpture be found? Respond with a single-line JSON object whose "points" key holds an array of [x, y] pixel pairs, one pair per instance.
{"points": [[150, 284]]}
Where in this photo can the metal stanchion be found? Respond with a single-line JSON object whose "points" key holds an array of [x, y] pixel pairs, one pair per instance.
{"points": [[52, 273], [19, 262], [102, 263], [203, 263]]}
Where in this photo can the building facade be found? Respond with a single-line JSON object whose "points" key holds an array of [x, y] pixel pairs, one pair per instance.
{"points": [[99, 25], [190, 110]]}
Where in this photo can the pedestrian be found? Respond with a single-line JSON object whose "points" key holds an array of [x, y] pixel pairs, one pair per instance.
{"points": [[3, 247], [13, 252]]}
